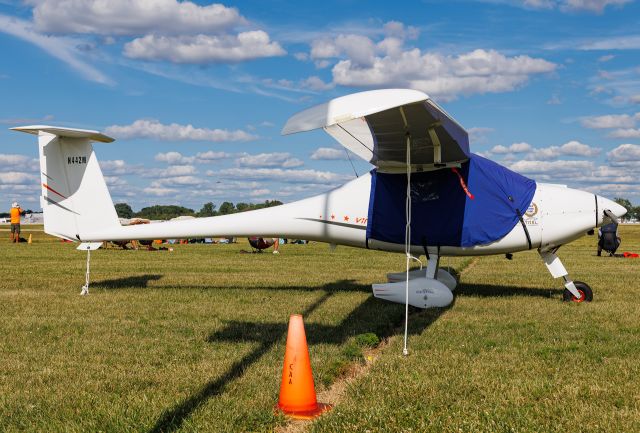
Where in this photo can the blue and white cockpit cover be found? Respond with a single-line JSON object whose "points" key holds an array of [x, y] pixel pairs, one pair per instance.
{"points": [[442, 212]]}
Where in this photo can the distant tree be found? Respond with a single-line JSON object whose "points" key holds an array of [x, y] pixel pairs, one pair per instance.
{"points": [[271, 203], [124, 210], [163, 212], [241, 207], [208, 209], [227, 208]]}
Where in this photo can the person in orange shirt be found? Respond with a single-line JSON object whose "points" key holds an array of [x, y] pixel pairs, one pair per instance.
{"points": [[15, 222]]}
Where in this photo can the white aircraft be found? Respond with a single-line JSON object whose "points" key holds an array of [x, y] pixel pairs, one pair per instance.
{"points": [[428, 194]]}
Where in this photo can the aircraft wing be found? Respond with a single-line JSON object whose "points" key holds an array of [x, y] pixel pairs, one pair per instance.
{"points": [[374, 125]]}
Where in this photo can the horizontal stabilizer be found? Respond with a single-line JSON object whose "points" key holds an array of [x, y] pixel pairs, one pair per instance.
{"points": [[65, 132], [89, 246]]}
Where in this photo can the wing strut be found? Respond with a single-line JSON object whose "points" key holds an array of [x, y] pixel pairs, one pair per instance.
{"points": [[437, 148]]}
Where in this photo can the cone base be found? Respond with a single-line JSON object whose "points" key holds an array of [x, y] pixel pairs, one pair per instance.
{"points": [[308, 414]]}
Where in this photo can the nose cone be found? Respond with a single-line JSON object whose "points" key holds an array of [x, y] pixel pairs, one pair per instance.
{"points": [[605, 203]]}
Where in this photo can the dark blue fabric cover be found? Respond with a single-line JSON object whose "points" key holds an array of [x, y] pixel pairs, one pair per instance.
{"points": [[442, 214]]}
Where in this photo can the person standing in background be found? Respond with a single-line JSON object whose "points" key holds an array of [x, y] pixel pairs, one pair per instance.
{"points": [[15, 213]]}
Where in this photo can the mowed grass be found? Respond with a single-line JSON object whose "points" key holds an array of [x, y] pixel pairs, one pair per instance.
{"points": [[193, 340], [509, 356]]}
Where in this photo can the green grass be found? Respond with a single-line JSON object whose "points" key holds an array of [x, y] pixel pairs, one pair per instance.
{"points": [[193, 340], [508, 356]]}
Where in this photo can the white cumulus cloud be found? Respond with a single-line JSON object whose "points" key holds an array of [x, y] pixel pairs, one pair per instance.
{"points": [[132, 17], [625, 153], [261, 192], [13, 161], [610, 121], [278, 174], [176, 180], [118, 167], [160, 191], [203, 48], [626, 133], [443, 76], [276, 159], [179, 170], [328, 153], [594, 6], [176, 158], [175, 132], [563, 166], [571, 148], [18, 178], [514, 148], [385, 61]]}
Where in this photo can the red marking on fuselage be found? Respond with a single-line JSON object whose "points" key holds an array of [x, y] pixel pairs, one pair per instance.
{"points": [[53, 190]]}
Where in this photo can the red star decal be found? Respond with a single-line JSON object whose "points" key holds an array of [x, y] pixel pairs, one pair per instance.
{"points": [[333, 216], [346, 218]]}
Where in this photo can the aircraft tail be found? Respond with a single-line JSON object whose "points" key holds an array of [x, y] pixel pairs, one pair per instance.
{"points": [[75, 198]]}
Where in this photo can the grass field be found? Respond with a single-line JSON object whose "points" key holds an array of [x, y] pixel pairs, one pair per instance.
{"points": [[193, 340]]}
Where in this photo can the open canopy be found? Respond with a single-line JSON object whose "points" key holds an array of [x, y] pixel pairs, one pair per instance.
{"points": [[375, 126]]}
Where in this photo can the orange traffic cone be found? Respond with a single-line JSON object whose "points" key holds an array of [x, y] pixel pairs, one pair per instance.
{"points": [[29, 241], [297, 391]]}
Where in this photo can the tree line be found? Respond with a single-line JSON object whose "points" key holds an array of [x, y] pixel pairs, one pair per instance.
{"points": [[166, 212]]}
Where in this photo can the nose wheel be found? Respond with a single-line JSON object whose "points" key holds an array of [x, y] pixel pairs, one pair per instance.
{"points": [[586, 294]]}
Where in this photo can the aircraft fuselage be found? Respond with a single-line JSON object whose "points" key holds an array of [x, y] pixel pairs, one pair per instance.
{"points": [[557, 215]]}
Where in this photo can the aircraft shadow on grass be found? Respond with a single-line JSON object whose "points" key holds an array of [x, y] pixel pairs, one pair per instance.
{"points": [[136, 281], [463, 289], [364, 318], [497, 291], [142, 282]]}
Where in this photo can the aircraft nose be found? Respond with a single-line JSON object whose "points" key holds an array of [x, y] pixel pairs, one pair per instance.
{"points": [[605, 203]]}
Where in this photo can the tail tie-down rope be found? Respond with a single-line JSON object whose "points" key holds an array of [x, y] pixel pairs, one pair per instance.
{"points": [[462, 183], [407, 247]]}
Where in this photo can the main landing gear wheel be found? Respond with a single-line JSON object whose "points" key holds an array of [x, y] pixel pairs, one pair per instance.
{"points": [[586, 294]]}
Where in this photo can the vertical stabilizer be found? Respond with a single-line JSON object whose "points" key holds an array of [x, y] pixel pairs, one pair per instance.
{"points": [[75, 198]]}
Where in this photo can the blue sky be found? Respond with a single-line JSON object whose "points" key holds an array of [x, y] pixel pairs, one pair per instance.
{"points": [[196, 93]]}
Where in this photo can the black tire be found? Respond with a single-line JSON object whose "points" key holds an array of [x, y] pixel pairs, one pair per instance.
{"points": [[584, 288]]}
